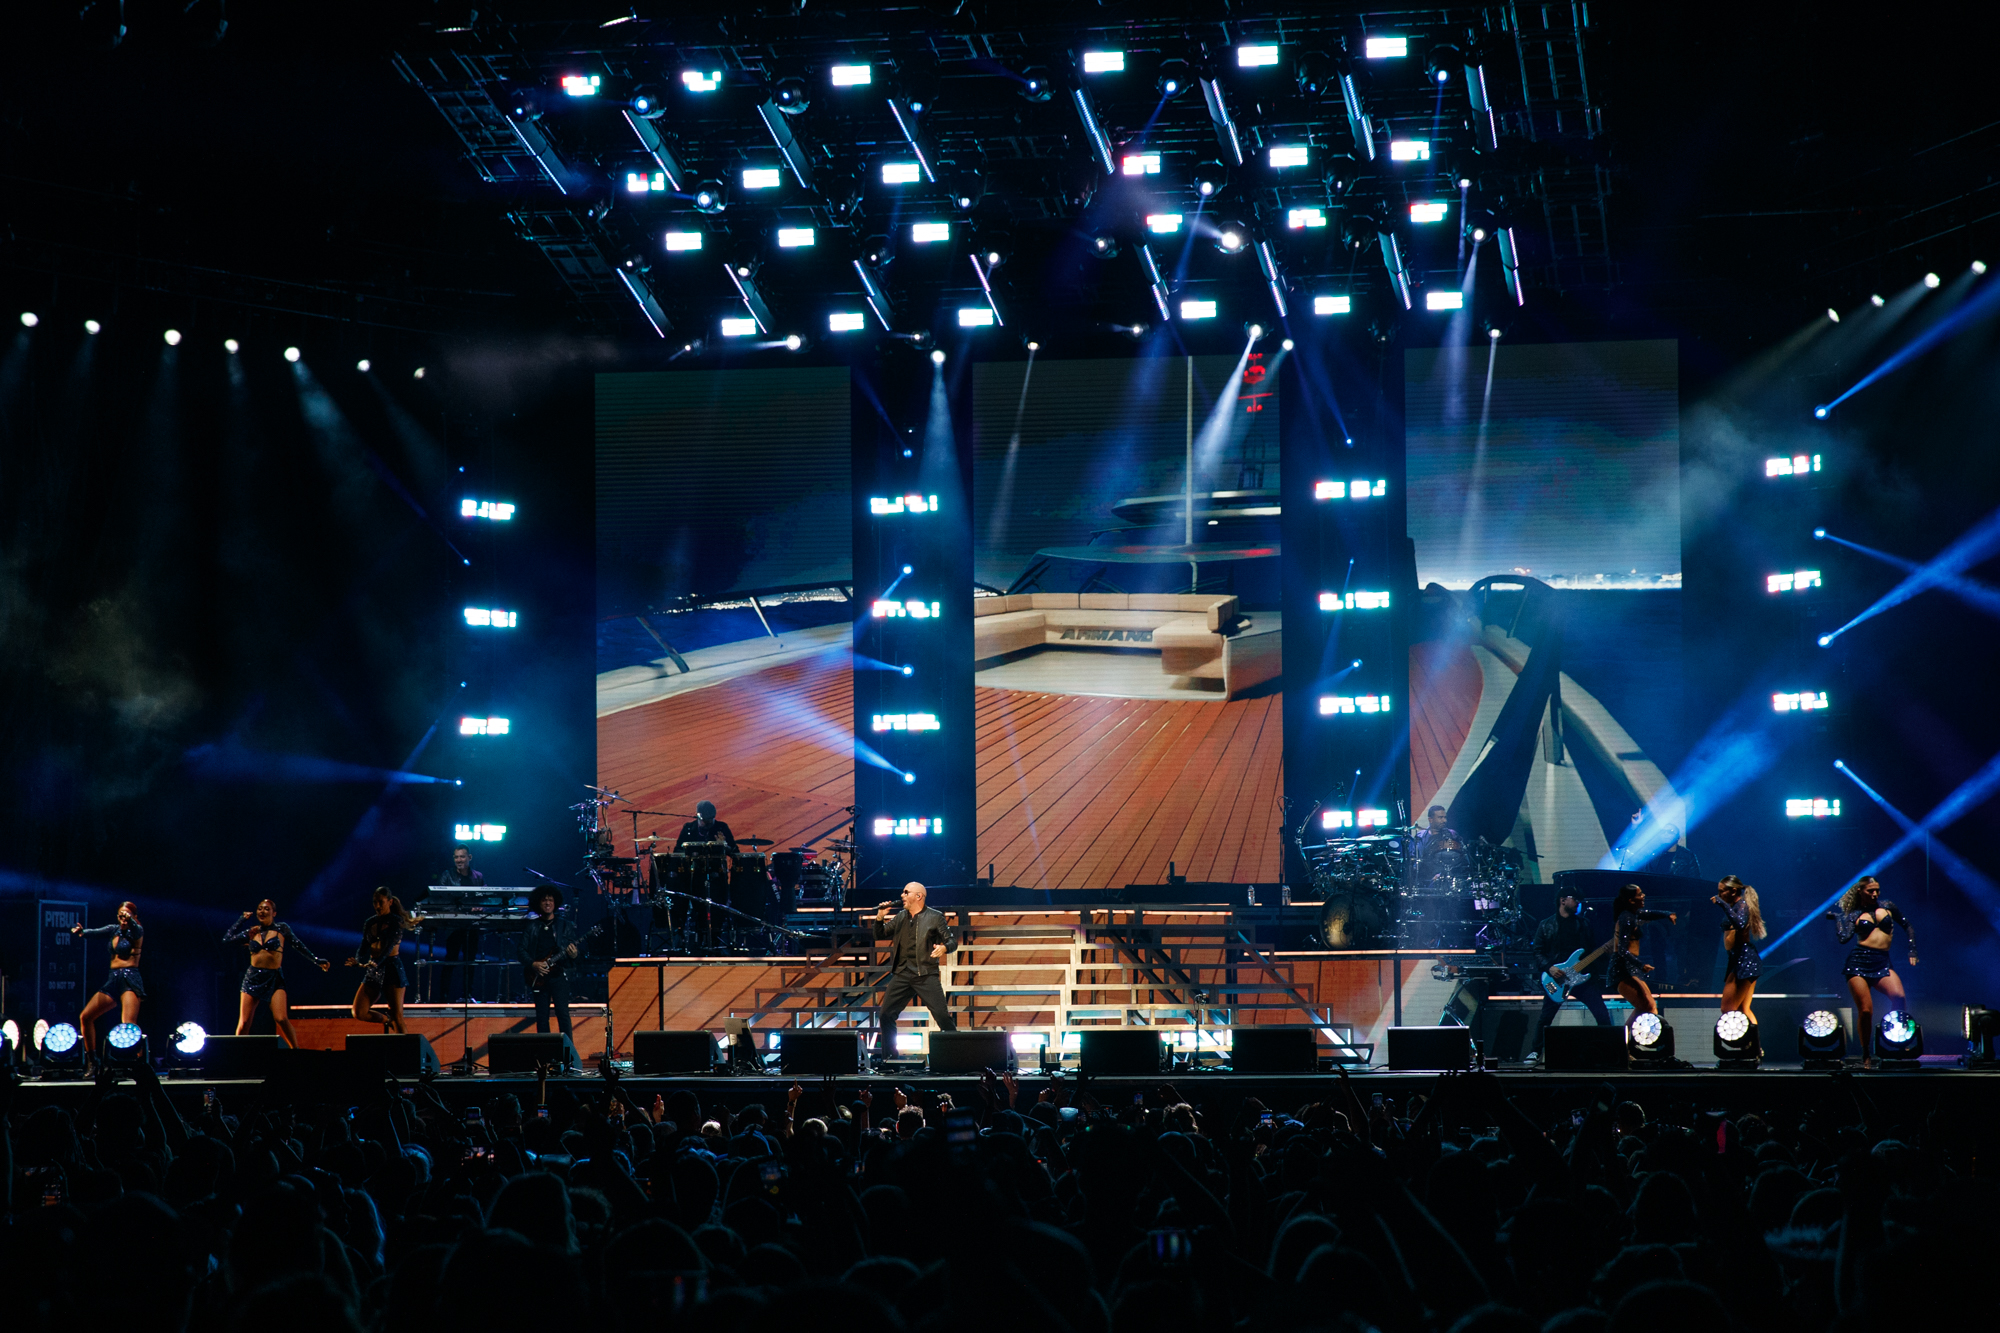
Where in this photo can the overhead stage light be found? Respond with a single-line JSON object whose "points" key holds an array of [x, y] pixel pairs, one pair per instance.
{"points": [[1288, 155], [698, 82], [1333, 305], [1230, 238], [1833, 314], [1386, 48], [739, 327], [485, 617], [478, 832], [1736, 1041], [923, 233], [1304, 217], [937, 359], [683, 240], [1428, 212], [1812, 807], [582, 85], [362, 365], [845, 321], [173, 337], [1822, 1041], [231, 346], [1174, 78], [1254, 57], [793, 238], [29, 319], [1140, 164], [851, 76], [92, 326], [975, 317], [1444, 300], [1931, 280], [709, 197], [1197, 310], [900, 173], [1979, 266], [1877, 302], [760, 178], [1409, 150], [291, 354], [1163, 224], [1103, 62]]}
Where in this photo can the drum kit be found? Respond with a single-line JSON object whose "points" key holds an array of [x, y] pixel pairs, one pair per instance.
{"points": [[708, 897], [1377, 893]]}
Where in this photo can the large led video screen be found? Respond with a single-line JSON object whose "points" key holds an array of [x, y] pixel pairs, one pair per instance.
{"points": [[1545, 669], [1127, 673], [724, 574]]}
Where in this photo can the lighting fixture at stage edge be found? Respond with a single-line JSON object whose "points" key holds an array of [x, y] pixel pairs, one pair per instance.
{"points": [[1822, 1041], [1899, 1036], [189, 1038]]}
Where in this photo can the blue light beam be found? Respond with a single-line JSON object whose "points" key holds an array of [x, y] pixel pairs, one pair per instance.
{"points": [[1972, 792], [1981, 595], [1983, 890], [1974, 310], [1977, 545]]}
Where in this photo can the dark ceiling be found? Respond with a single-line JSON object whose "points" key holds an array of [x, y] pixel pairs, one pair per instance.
{"points": [[1717, 174]]}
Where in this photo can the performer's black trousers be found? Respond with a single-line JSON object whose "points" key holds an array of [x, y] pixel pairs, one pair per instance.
{"points": [[554, 996], [1591, 998], [896, 996]]}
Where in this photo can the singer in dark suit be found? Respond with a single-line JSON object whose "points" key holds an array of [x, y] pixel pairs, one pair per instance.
{"points": [[920, 940]]}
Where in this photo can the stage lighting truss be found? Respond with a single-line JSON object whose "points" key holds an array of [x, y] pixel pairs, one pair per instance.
{"points": [[1805, 701], [1812, 807], [1358, 489], [908, 827], [1798, 465], [478, 832], [1354, 601], [1792, 581], [189, 1038], [905, 722], [1335, 705]]}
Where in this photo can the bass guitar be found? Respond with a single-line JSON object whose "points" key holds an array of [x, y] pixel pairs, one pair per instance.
{"points": [[1558, 991], [538, 977]]}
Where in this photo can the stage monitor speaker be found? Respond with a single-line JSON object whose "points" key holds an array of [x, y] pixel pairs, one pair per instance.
{"points": [[819, 1051], [241, 1057], [395, 1054], [664, 1052], [1273, 1050], [1576, 1050], [520, 1052], [970, 1052], [1430, 1048], [1116, 1051]]}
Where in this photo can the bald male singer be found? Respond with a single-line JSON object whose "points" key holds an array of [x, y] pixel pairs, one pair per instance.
{"points": [[921, 938]]}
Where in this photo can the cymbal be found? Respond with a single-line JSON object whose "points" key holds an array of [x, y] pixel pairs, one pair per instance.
{"points": [[804, 851], [704, 847], [753, 842], [841, 845]]}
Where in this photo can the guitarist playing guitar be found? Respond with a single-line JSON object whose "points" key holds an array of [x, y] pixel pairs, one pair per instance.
{"points": [[1562, 944], [548, 945]]}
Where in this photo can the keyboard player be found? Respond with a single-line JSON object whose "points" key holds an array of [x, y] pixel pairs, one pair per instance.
{"points": [[461, 943]]}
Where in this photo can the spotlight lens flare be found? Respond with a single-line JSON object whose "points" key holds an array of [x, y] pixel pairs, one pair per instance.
{"points": [[173, 337], [29, 319], [937, 359], [1931, 280], [92, 326], [1819, 413], [291, 354], [231, 346]]}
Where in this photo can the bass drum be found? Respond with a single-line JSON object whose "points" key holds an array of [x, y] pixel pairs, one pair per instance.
{"points": [[1352, 918]]}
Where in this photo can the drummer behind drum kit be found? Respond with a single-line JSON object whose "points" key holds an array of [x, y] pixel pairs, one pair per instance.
{"points": [[1373, 895], [706, 898]]}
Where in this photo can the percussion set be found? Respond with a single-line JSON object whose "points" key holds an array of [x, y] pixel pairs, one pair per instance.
{"points": [[709, 897], [1376, 893]]}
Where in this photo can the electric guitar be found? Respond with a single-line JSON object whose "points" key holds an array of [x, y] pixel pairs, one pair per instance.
{"points": [[538, 978], [1558, 991]]}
